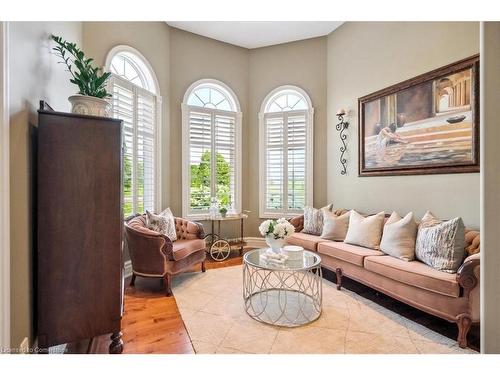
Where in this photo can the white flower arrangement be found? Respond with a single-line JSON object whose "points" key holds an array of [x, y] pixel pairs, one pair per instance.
{"points": [[278, 229]]}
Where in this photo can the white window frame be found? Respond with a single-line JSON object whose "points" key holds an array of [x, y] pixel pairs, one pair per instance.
{"points": [[158, 196], [186, 109], [263, 115]]}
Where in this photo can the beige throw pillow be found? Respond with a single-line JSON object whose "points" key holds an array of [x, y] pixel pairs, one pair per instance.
{"points": [[399, 236], [335, 226], [365, 231], [441, 244]]}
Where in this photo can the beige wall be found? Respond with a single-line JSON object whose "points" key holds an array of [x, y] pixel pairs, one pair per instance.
{"points": [[151, 39], [193, 57], [34, 75], [490, 187], [301, 64], [364, 57]]}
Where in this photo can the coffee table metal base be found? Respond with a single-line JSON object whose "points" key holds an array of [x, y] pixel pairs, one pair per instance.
{"points": [[286, 298]]}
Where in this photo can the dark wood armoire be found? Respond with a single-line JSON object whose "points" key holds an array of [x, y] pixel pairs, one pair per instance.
{"points": [[79, 261]]}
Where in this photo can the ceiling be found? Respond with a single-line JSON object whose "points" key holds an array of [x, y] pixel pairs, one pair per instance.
{"points": [[257, 34]]}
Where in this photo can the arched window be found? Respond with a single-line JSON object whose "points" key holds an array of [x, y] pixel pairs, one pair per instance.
{"points": [[211, 124], [136, 100], [286, 152]]}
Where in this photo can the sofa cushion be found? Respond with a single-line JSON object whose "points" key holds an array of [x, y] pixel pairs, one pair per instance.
{"points": [[350, 253], [335, 226], [307, 241], [414, 273], [184, 248]]}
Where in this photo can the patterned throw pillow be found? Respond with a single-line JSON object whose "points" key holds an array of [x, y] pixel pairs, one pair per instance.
{"points": [[398, 238], [313, 219], [441, 244], [163, 223]]}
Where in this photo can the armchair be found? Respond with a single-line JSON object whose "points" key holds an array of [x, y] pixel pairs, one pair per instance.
{"points": [[154, 255]]}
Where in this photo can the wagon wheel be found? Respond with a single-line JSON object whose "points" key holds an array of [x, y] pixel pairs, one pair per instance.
{"points": [[220, 250], [210, 239]]}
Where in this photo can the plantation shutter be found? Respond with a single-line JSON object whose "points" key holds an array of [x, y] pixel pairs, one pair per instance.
{"points": [[138, 110], [285, 161], [200, 161], [296, 161], [225, 142], [146, 138]]}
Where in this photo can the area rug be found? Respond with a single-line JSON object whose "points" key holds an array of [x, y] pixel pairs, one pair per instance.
{"points": [[211, 306]]}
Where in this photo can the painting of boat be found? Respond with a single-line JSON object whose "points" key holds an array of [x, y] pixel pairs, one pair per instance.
{"points": [[427, 127]]}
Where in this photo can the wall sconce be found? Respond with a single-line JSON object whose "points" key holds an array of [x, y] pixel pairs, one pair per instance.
{"points": [[341, 127]]}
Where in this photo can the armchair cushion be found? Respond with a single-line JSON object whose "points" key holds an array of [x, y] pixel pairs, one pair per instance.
{"points": [[184, 248]]}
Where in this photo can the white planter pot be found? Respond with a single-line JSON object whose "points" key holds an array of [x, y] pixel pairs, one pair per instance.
{"points": [[275, 244], [89, 105]]}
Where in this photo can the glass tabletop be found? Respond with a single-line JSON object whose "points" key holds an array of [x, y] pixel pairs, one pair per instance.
{"points": [[309, 260]]}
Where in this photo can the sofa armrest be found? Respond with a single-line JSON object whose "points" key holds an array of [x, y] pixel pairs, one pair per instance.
{"points": [[148, 250], [188, 230], [467, 276], [297, 222]]}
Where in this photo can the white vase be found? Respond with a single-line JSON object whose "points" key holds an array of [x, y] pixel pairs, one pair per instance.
{"points": [[89, 105], [275, 244]]}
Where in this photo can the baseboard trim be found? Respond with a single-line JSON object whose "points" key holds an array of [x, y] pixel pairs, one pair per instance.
{"points": [[127, 268], [251, 242]]}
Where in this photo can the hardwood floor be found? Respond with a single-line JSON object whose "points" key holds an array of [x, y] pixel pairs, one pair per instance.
{"points": [[152, 322]]}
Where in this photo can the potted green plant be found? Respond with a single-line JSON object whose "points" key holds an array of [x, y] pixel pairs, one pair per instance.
{"points": [[223, 211], [90, 79]]}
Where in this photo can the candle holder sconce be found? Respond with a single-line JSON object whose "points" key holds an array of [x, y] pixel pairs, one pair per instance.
{"points": [[341, 127]]}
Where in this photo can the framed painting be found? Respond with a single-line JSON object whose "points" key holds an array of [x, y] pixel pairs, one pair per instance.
{"points": [[425, 125]]}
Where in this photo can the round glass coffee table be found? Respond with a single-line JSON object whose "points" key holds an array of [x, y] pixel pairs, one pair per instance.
{"points": [[288, 294]]}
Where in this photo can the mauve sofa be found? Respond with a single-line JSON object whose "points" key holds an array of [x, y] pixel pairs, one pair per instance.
{"points": [[154, 255], [453, 297]]}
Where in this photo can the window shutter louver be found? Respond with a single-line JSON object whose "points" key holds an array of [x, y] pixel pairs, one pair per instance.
{"points": [[274, 175]]}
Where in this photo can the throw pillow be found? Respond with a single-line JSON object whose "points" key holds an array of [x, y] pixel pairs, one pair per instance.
{"points": [[313, 219], [399, 236], [163, 223], [441, 244], [365, 231], [334, 225]]}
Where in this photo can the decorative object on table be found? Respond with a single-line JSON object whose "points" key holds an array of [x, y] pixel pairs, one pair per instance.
{"points": [[341, 127], [218, 247], [91, 80], [213, 211], [427, 124], [276, 232], [293, 252], [223, 211], [271, 257]]}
